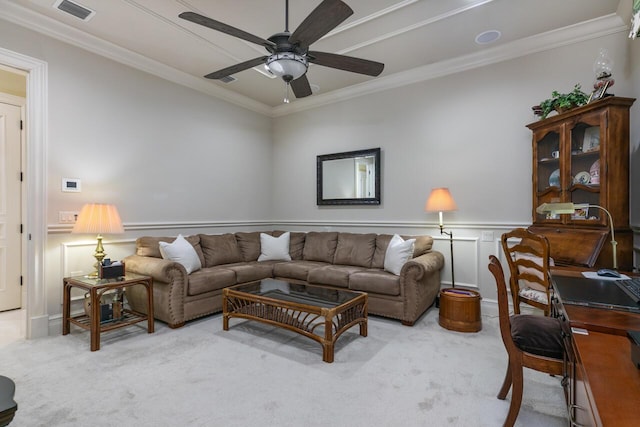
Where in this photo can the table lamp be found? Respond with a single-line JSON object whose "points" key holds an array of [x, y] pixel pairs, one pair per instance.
{"points": [[570, 208], [98, 218], [440, 200]]}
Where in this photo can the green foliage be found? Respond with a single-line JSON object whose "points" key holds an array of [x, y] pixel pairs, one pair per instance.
{"points": [[563, 101]]}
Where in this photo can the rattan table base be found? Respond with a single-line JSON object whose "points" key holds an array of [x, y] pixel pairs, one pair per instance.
{"points": [[324, 325]]}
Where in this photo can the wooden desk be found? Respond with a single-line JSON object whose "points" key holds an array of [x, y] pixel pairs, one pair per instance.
{"points": [[604, 385]]}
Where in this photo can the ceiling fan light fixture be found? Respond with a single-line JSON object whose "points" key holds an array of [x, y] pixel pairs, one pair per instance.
{"points": [[287, 65]]}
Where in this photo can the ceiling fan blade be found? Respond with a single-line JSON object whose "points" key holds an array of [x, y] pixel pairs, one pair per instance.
{"points": [[324, 18], [346, 63], [224, 28], [236, 68], [301, 87]]}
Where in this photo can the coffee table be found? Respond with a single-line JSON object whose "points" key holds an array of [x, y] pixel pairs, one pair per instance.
{"points": [[317, 312]]}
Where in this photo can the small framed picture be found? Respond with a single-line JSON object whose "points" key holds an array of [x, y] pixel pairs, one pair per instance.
{"points": [[580, 213], [599, 92], [591, 140]]}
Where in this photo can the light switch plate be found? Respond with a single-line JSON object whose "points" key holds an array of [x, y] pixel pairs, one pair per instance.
{"points": [[67, 217], [72, 185]]}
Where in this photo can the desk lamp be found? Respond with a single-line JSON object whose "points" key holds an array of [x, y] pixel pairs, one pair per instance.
{"points": [[98, 218], [440, 200], [570, 208]]}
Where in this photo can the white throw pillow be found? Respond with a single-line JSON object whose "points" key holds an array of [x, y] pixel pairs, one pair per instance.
{"points": [[398, 253], [274, 248], [181, 252]]}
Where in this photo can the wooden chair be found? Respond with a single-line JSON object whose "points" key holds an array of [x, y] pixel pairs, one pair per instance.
{"points": [[529, 269], [531, 341]]}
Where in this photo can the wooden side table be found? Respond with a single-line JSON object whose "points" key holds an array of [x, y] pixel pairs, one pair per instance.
{"points": [[96, 288], [460, 310]]}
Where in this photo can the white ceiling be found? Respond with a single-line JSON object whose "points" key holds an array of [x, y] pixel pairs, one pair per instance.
{"points": [[410, 37]]}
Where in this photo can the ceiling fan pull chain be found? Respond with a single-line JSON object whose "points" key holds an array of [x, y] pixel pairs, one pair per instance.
{"points": [[286, 92]]}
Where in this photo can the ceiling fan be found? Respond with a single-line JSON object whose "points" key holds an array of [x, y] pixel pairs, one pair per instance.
{"points": [[289, 54]]}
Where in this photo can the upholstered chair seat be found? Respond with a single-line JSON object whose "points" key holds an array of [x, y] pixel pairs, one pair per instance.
{"points": [[537, 335]]}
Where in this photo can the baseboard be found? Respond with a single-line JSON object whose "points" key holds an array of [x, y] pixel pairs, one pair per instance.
{"points": [[38, 327]]}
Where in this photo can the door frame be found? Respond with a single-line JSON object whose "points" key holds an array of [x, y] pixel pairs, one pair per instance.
{"points": [[20, 102], [35, 190]]}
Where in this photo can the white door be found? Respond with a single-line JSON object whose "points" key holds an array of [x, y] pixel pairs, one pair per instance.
{"points": [[10, 207]]}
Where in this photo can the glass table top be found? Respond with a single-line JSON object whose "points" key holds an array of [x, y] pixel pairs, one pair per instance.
{"points": [[298, 293]]}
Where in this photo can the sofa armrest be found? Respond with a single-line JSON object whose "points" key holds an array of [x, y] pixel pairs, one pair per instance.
{"points": [[160, 269], [420, 283], [169, 287], [424, 264]]}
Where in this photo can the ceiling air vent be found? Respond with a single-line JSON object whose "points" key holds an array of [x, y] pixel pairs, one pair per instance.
{"points": [[228, 79], [74, 9]]}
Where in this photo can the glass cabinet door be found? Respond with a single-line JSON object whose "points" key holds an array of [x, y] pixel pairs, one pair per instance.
{"points": [[548, 170], [585, 179]]}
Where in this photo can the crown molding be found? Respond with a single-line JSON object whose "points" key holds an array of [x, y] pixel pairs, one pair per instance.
{"points": [[599, 27], [34, 21]]}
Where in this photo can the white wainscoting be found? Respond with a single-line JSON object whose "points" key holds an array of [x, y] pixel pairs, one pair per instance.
{"points": [[470, 251], [77, 259]]}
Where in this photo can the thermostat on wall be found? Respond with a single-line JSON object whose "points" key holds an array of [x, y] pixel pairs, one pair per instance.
{"points": [[71, 185]]}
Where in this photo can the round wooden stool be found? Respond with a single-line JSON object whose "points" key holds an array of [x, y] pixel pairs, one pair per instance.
{"points": [[460, 310]]}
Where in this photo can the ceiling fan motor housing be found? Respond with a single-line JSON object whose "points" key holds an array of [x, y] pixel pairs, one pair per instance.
{"points": [[287, 60]]}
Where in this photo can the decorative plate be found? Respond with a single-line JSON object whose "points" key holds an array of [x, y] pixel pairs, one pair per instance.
{"points": [[582, 178], [554, 178], [594, 171]]}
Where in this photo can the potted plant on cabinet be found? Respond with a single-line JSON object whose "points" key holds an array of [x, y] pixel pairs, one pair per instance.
{"points": [[561, 102]]}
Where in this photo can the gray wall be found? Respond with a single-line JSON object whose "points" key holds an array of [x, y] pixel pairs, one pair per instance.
{"points": [[465, 131], [175, 160], [167, 156]]}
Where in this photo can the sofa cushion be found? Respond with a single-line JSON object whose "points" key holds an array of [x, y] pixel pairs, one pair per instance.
{"points": [[399, 251], [320, 246], [181, 252], [220, 249], [422, 246], [150, 246], [355, 249], [375, 281], [334, 275], [295, 269], [296, 243], [382, 241], [210, 279], [249, 244], [274, 248], [252, 271]]}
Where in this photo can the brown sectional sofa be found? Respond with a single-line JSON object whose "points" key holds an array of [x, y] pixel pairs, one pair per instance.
{"points": [[334, 259]]}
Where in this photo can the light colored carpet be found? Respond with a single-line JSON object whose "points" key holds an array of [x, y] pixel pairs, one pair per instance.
{"points": [[257, 375]]}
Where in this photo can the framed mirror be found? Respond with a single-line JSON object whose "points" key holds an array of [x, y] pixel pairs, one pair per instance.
{"points": [[350, 178]]}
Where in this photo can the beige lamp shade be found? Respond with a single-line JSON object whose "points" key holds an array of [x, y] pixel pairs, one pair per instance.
{"points": [[440, 200], [98, 218]]}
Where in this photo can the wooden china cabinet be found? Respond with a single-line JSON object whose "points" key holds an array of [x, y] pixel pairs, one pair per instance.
{"points": [[582, 157]]}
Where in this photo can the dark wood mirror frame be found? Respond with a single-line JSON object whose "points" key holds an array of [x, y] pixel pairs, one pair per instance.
{"points": [[323, 197]]}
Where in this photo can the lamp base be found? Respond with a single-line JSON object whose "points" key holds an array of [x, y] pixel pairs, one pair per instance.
{"points": [[460, 310]]}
